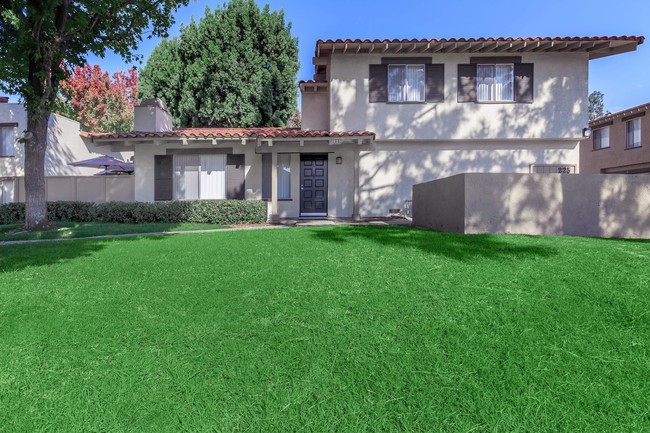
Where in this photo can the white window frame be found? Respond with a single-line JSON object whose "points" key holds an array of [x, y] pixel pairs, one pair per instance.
{"points": [[633, 143], [601, 138], [404, 85], [7, 141], [284, 176], [492, 92]]}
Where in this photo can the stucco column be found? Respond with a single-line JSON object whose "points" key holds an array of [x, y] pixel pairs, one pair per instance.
{"points": [[355, 194], [274, 218]]}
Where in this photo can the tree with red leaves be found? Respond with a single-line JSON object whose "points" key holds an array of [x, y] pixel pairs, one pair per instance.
{"points": [[100, 103]]}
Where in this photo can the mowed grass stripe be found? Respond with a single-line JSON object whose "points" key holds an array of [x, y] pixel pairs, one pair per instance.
{"points": [[326, 329]]}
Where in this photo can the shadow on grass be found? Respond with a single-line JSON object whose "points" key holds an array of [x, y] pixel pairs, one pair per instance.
{"points": [[18, 257], [452, 245]]}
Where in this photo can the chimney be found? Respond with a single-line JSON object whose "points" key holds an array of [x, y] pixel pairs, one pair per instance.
{"points": [[4, 99], [152, 116]]}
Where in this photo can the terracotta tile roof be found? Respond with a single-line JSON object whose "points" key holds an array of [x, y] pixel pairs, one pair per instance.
{"points": [[252, 133]]}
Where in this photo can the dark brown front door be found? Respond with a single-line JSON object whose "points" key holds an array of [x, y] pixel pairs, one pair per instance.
{"points": [[313, 185]]}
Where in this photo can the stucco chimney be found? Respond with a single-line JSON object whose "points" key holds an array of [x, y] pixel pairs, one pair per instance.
{"points": [[4, 99], [152, 116]]}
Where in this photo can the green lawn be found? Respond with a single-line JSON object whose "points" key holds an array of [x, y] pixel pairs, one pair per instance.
{"points": [[341, 329], [84, 230]]}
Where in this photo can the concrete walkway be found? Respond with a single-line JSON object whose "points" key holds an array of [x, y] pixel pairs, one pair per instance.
{"points": [[284, 225]]}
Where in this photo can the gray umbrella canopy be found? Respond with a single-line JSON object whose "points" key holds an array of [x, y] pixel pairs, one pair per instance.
{"points": [[108, 163]]}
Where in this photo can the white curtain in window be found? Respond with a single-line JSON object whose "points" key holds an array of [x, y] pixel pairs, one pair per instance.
{"points": [[504, 82], [213, 177], [495, 82], [186, 177], [406, 83], [7, 140], [284, 176]]}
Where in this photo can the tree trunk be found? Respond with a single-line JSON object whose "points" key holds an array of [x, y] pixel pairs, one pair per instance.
{"points": [[35, 194]]}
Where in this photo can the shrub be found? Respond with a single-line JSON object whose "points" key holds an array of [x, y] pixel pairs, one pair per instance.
{"points": [[199, 211]]}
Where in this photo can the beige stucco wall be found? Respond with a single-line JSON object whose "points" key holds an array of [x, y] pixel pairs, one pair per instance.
{"points": [[389, 171], [315, 111], [340, 176], [96, 189], [537, 204], [559, 110], [65, 145]]}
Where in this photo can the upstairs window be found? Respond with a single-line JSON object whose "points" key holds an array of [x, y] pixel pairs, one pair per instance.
{"points": [[633, 133], [495, 83], [601, 138], [7, 141], [406, 83]]}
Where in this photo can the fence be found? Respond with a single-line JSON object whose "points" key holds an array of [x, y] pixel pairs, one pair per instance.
{"points": [[82, 188]]}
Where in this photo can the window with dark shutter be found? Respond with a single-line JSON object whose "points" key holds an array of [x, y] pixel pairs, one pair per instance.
{"points": [[524, 82], [378, 83], [435, 83], [163, 177], [235, 177], [466, 83]]}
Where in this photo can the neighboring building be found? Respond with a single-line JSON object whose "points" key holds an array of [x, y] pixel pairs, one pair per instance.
{"points": [[65, 145], [435, 108], [619, 143]]}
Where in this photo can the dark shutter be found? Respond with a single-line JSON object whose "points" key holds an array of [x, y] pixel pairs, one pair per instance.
{"points": [[266, 175], [235, 182], [163, 173], [524, 82], [378, 83], [435, 83], [466, 83]]}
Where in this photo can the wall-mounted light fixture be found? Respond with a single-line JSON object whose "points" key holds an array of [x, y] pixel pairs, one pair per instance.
{"points": [[586, 132], [339, 160]]}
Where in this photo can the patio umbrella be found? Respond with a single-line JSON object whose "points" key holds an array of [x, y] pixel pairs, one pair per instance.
{"points": [[108, 163]]}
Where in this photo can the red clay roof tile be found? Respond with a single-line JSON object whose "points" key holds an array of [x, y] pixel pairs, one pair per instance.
{"points": [[254, 133]]}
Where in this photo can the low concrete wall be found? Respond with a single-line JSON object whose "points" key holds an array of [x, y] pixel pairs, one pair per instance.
{"points": [[83, 188], [601, 205]]}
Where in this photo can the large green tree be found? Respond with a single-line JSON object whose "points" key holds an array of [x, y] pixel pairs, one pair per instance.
{"points": [[236, 67], [36, 36]]}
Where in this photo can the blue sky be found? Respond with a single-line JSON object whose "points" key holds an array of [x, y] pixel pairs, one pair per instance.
{"points": [[624, 79]]}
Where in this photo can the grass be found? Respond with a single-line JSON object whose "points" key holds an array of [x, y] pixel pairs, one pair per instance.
{"points": [[341, 329], [84, 230]]}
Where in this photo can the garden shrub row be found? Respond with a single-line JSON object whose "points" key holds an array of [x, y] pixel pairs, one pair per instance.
{"points": [[198, 211]]}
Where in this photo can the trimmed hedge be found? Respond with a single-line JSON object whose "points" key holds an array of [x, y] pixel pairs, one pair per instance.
{"points": [[198, 211]]}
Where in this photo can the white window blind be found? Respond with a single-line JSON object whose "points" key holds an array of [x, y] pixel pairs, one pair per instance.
{"points": [[406, 83], [7, 141], [495, 83], [6, 191], [633, 128], [213, 177], [186, 177], [199, 177], [284, 176]]}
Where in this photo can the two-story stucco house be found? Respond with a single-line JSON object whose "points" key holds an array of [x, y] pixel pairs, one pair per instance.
{"points": [[379, 117]]}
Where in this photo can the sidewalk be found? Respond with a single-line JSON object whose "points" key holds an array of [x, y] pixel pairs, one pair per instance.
{"points": [[285, 224]]}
